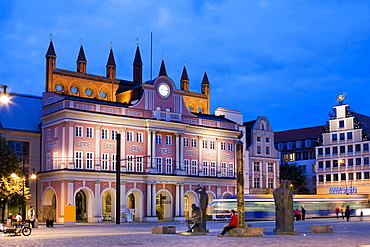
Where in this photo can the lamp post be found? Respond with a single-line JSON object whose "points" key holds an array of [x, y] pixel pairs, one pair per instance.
{"points": [[4, 98], [23, 208]]}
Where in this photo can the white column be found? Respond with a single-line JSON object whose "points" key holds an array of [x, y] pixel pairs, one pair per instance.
{"points": [[177, 204], [70, 146], [181, 160], [153, 150], [98, 202], [123, 151], [200, 156], [64, 153], [178, 150], [153, 200], [123, 198], [148, 198], [97, 138], [182, 200], [70, 195], [62, 201], [218, 162]]}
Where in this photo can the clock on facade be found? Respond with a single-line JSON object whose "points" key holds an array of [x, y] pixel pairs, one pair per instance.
{"points": [[164, 89]]}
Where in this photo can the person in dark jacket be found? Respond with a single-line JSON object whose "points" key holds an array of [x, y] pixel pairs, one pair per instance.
{"points": [[348, 212], [303, 211]]}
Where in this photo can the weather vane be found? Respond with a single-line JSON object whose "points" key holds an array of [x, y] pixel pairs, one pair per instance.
{"points": [[81, 41], [51, 36], [111, 45], [340, 98], [137, 41], [162, 56]]}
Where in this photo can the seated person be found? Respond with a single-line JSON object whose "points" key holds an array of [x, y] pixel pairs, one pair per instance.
{"points": [[232, 224], [18, 218], [195, 218]]}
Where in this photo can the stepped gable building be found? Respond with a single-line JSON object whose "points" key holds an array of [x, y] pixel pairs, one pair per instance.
{"points": [[170, 144], [343, 165], [262, 164], [298, 146]]}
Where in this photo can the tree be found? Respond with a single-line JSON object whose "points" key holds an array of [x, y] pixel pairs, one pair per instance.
{"points": [[295, 174], [11, 189]]}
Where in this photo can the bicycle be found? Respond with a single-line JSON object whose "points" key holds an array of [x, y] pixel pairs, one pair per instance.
{"points": [[18, 229]]}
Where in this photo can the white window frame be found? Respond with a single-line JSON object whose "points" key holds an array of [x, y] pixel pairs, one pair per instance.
{"points": [[193, 142], [212, 168], [186, 142], [205, 168], [78, 131], [187, 166], [130, 163], [169, 165], [223, 169], [223, 146], [78, 159], [104, 161], [48, 161], [48, 134], [139, 163], [139, 137], [168, 140], [158, 161], [55, 160], [104, 134], [114, 162], [205, 144], [89, 160], [130, 136], [231, 170], [56, 133], [114, 134], [211, 144], [230, 146], [158, 139], [194, 167], [89, 132]]}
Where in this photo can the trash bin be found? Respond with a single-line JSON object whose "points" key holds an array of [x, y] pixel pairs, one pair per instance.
{"points": [[49, 223]]}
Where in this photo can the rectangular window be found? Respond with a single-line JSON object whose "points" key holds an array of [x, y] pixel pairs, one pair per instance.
{"points": [[358, 148], [130, 163], [139, 137], [366, 161], [78, 159], [358, 176], [366, 175], [186, 167], [230, 147], [48, 134], [258, 149], [298, 144], [213, 169], [78, 131], [56, 132], [158, 139], [343, 177], [129, 136], [159, 164], [104, 134], [335, 163], [205, 144], [335, 150], [267, 139], [341, 124], [104, 161], [328, 178], [205, 168], [290, 145], [168, 140], [366, 147], [350, 162], [55, 160], [327, 151], [341, 136], [334, 137], [257, 183], [280, 146], [114, 134], [335, 177], [349, 135], [223, 169], [89, 132], [342, 149], [89, 160], [139, 163], [320, 151], [350, 148], [186, 142], [258, 138], [114, 162], [168, 165], [321, 164], [193, 142], [321, 178], [256, 166], [48, 159], [194, 167], [270, 167], [267, 150], [350, 176], [223, 145], [308, 143], [327, 164], [211, 144], [270, 182], [231, 170], [358, 161], [304, 168]]}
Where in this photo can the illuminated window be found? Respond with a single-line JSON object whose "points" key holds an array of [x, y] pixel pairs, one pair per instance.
{"points": [[55, 160]]}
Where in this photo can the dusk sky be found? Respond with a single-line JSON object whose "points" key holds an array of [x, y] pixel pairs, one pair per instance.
{"points": [[285, 60]]}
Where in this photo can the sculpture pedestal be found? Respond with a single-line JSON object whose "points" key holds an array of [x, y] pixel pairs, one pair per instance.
{"points": [[279, 232], [192, 233]]}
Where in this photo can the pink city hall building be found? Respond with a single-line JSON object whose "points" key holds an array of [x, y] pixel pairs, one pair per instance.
{"points": [[167, 149]]}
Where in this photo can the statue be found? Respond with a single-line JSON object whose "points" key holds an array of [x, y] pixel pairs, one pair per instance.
{"points": [[195, 219], [283, 198], [203, 205]]}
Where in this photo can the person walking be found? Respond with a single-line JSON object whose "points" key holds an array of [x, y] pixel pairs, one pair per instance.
{"points": [[337, 212], [31, 216], [303, 213], [343, 210], [361, 216], [232, 224], [348, 212]]}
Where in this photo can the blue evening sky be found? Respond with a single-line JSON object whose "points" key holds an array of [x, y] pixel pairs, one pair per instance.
{"points": [[286, 60]]}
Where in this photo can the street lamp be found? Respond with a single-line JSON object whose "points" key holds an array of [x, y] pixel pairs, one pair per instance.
{"points": [[4, 98], [33, 176]]}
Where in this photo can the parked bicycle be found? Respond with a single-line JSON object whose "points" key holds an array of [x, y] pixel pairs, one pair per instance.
{"points": [[18, 228]]}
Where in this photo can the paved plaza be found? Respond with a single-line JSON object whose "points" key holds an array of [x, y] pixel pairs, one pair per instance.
{"points": [[352, 233]]}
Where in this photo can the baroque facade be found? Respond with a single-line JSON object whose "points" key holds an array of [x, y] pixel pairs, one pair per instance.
{"points": [[170, 144]]}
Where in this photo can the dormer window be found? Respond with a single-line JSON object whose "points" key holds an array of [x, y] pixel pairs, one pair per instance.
{"points": [[308, 143], [290, 145], [298, 144]]}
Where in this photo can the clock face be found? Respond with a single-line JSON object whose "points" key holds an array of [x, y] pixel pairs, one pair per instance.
{"points": [[164, 89]]}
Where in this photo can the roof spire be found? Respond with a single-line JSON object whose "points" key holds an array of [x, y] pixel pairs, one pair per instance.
{"points": [[162, 70]]}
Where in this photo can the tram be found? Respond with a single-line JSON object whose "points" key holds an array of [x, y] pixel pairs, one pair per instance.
{"points": [[262, 207]]}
